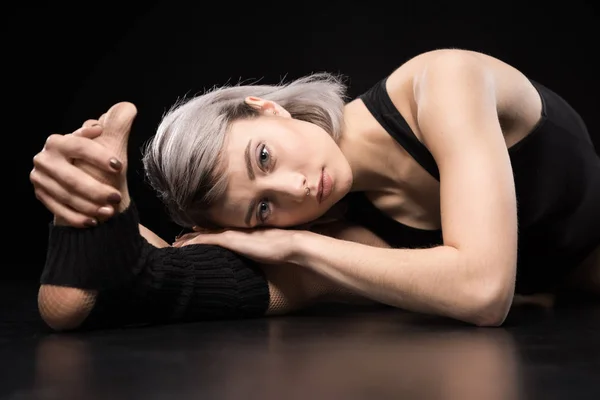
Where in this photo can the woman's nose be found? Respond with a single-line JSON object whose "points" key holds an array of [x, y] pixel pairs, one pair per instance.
{"points": [[293, 186]]}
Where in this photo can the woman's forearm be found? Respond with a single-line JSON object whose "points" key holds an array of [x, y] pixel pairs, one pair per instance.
{"points": [[434, 280]]}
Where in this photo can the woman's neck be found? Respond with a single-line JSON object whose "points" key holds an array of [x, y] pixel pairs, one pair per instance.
{"points": [[366, 150]]}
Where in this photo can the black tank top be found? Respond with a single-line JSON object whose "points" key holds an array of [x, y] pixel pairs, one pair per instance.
{"points": [[557, 180]]}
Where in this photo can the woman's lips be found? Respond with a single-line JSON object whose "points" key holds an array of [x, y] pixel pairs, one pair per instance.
{"points": [[325, 186]]}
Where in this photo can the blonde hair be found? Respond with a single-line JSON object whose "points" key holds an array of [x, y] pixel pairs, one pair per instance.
{"points": [[183, 161]]}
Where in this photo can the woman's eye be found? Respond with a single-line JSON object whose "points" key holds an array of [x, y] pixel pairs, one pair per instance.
{"points": [[263, 211], [264, 156]]}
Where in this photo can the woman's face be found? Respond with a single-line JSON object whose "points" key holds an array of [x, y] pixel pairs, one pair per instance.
{"points": [[281, 172]]}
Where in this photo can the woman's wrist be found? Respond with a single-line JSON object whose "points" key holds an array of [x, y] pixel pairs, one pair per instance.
{"points": [[302, 247]]}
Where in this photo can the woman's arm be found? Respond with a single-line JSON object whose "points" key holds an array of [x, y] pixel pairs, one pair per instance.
{"points": [[471, 277]]}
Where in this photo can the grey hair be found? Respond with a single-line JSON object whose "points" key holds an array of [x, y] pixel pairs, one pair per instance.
{"points": [[183, 161]]}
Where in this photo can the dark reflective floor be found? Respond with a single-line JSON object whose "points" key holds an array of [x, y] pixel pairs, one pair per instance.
{"points": [[326, 354]]}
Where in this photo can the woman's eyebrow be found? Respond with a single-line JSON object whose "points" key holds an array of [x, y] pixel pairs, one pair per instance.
{"points": [[248, 159]]}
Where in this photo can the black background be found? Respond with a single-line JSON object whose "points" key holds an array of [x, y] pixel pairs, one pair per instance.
{"points": [[63, 64]]}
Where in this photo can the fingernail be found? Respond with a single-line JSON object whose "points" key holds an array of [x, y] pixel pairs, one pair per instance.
{"points": [[115, 164], [105, 211], [90, 223], [114, 198], [96, 124]]}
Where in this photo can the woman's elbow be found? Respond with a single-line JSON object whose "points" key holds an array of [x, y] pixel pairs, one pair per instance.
{"points": [[64, 308], [490, 317], [491, 304]]}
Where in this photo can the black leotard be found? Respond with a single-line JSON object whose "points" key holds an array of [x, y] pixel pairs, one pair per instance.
{"points": [[557, 176]]}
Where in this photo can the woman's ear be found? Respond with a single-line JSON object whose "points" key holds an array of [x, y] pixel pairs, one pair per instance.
{"points": [[267, 107]]}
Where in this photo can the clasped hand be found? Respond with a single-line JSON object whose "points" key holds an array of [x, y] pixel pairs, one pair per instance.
{"points": [[81, 177]]}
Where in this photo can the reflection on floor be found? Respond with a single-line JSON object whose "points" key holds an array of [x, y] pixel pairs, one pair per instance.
{"points": [[330, 353]]}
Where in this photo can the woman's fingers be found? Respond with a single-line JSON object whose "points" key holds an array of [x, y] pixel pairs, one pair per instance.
{"points": [[71, 217], [91, 131], [91, 122], [99, 208], [76, 197], [72, 180], [75, 147]]}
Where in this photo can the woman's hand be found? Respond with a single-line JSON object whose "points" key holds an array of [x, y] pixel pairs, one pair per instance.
{"points": [[81, 177], [276, 245], [267, 246], [69, 193]]}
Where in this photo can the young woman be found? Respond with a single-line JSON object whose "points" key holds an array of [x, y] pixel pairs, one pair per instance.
{"points": [[481, 183]]}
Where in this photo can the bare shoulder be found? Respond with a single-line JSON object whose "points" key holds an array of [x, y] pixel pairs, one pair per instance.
{"points": [[515, 94], [451, 60]]}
